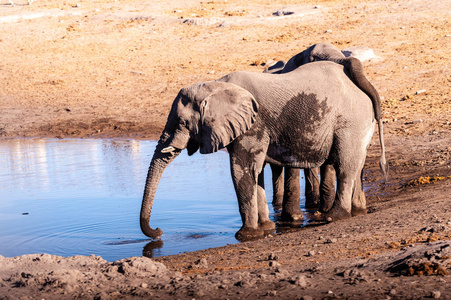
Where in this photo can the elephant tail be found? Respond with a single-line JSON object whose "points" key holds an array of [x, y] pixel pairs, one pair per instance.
{"points": [[382, 163]]}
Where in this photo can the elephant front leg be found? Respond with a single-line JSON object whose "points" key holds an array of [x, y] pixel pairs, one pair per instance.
{"points": [[245, 183], [264, 222]]}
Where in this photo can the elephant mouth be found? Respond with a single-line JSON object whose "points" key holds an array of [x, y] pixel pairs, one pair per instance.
{"points": [[192, 148], [169, 149]]}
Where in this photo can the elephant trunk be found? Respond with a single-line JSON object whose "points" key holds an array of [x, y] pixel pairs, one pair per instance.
{"points": [[357, 75], [160, 160]]}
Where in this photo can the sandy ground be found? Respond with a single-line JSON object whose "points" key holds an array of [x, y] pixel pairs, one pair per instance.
{"points": [[112, 68]]}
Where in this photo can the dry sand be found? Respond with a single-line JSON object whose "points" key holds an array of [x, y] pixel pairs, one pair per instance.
{"points": [[112, 68]]}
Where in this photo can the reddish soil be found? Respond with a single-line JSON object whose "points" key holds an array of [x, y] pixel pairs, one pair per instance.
{"points": [[112, 68]]}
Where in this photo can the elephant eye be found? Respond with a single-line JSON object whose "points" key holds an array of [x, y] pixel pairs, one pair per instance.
{"points": [[183, 123]]}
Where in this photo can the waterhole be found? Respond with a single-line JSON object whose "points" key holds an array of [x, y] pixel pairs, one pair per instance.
{"points": [[83, 196]]}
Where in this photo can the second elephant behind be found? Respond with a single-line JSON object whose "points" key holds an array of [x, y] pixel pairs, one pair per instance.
{"points": [[286, 187]]}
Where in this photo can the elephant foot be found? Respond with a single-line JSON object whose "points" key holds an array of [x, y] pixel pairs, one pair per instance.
{"points": [[337, 213], [292, 217], [267, 225], [358, 211], [276, 206], [247, 233], [311, 202]]}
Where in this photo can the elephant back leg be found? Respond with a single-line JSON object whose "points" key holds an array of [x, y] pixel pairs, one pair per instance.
{"points": [[358, 198], [291, 208], [312, 188], [327, 187], [277, 186], [348, 169]]}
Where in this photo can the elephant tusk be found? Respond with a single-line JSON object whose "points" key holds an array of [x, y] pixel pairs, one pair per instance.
{"points": [[168, 149]]}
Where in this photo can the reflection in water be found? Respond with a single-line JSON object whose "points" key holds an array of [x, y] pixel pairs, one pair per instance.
{"points": [[77, 197], [149, 249]]}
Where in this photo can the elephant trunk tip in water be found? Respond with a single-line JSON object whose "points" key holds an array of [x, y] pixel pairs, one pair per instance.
{"points": [[148, 231]]}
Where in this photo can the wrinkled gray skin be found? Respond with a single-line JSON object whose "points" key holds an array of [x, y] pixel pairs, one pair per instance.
{"points": [[301, 119], [286, 192]]}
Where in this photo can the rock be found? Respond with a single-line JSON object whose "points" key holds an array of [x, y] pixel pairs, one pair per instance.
{"points": [[363, 53], [271, 293], [274, 264], [201, 263], [420, 92], [428, 259], [435, 294], [311, 253], [300, 281], [282, 13], [306, 297], [331, 241], [273, 256]]}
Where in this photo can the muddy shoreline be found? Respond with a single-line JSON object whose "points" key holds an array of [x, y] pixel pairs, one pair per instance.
{"points": [[111, 69]]}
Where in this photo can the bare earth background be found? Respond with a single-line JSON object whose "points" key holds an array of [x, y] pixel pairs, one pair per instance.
{"points": [[112, 68]]}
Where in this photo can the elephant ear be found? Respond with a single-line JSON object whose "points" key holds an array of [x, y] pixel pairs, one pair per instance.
{"points": [[227, 112]]}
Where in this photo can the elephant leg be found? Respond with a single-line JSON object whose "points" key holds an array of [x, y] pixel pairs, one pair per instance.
{"points": [[358, 198], [312, 188], [327, 193], [277, 186], [264, 222], [291, 209], [348, 170], [245, 169]]}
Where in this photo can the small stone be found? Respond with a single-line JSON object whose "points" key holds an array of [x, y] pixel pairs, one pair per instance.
{"points": [[274, 264], [331, 241], [311, 253], [330, 292], [417, 121], [271, 293], [392, 292], [273, 256], [420, 92], [317, 6], [436, 294], [306, 297], [328, 31], [282, 13], [299, 281], [144, 285], [201, 263]]}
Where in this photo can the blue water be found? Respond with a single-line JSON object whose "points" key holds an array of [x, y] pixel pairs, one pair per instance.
{"points": [[83, 196]]}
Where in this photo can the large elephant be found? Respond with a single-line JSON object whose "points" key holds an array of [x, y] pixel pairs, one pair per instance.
{"points": [[301, 119], [286, 188]]}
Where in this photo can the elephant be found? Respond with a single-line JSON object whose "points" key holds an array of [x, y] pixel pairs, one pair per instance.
{"points": [[286, 192], [301, 119]]}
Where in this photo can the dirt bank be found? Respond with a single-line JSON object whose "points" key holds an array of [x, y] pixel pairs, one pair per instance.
{"points": [[112, 69]]}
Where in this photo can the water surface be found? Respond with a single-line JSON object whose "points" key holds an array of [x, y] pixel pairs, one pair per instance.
{"points": [[83, 196]]}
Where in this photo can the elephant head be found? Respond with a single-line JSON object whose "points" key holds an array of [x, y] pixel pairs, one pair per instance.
{"points": [[206, 116]]}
